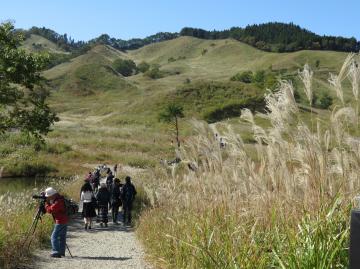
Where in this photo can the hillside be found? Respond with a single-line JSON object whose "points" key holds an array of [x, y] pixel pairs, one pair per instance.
{"points": [[36, 43], [183, 59]]}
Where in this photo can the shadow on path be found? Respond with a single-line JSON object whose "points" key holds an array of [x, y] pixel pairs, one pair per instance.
{"points": [[104, 258]]}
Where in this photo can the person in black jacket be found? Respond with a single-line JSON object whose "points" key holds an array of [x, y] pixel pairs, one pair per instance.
{"points": [[128, 193], [109, 180], [115, 199], [103, 199]]}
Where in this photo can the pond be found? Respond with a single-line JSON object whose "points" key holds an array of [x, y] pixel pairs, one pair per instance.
{"points": [[20, 184]]}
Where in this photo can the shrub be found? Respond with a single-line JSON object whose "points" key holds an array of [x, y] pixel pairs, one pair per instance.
{"points": [[233, 109], [143, 67], [246, 77], [171, 59], [154, 73], [325, 101], [124, 67], [57, 148]]}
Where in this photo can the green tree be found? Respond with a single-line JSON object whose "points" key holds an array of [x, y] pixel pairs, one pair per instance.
{"points": [[22, 94], [171, 114], [124, 67]]}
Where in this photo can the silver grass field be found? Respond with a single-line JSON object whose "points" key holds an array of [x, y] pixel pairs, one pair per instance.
{"points": [[282, 203]]}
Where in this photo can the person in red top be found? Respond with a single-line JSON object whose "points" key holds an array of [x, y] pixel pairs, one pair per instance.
{"points": [[55, 206]]}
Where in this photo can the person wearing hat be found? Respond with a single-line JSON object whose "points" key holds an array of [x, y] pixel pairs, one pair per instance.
{"points": [[103, 200], [55, 206]]}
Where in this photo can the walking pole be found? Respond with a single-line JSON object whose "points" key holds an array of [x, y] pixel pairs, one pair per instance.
{"points": [[67, 247]]}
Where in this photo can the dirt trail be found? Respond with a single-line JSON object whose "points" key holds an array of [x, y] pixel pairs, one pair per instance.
{"points": [[113, 247]]}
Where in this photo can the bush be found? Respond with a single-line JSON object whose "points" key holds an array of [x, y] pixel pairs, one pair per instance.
{"points": [[154, 73], [29, 169], [124, 67], [171, 59], [143, 67], [57, 148], [231, 110], [246, 77], [325, 101]]}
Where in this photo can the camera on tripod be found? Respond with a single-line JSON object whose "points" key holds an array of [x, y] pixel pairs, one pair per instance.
{"points": [[40, 197]]}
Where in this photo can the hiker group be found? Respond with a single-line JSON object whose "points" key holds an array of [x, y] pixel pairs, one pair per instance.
{"points": [[104, 196], [95, 196]]}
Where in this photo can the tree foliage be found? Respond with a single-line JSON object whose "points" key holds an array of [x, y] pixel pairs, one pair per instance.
{"points": [[22, 95], [278, 37], [124, 67], [171, 114]]}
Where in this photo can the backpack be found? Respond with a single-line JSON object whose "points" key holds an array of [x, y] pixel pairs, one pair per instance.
{"points": [[71, 207]]}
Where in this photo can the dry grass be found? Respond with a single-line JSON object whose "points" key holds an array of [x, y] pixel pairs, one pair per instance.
{"points": [[287, 208], [17, 210]]}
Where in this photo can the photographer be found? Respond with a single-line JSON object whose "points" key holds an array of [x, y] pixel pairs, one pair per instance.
{"points": [[55, 205]]}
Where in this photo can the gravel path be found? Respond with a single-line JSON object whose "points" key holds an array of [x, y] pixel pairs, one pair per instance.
{"points": [[113, 247]]}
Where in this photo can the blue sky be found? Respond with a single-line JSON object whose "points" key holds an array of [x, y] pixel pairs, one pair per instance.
{"points": [[125, 19]]}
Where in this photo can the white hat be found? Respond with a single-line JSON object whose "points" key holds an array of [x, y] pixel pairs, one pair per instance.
{"points": [[50, 192]]}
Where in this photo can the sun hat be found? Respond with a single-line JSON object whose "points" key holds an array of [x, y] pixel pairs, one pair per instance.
{"points": [[50, 192]]}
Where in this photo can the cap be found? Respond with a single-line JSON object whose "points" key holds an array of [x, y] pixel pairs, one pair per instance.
{"points": [[50, 192]]}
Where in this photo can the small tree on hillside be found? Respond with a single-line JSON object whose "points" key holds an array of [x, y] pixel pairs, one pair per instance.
{"points": [[124, 67], [22, 98], [171, 114]]}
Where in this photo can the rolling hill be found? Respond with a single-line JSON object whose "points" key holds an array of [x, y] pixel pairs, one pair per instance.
{"points": [[36, 43]]}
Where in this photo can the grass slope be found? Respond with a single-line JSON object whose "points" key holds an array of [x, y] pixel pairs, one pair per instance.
{"points": [[106, 117], [36, 43]]}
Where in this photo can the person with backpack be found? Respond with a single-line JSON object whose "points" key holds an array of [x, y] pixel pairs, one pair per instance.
{"points": [[115, 199], [128, 193], [87, 198], [103, 199], [55, 206]]}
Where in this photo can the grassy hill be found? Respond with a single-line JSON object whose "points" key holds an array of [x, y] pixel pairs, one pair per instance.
{"points": [[106, 117], [36, 43], [184, 60]]}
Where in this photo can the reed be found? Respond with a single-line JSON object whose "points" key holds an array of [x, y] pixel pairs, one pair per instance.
{"points": [[287, 207]]}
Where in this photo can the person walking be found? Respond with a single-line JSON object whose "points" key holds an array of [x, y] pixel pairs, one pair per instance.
{"points": [[115, 199], [128, 193], [115, 170], [109, 180], [87, 198], [55, 206], [103, 199]]}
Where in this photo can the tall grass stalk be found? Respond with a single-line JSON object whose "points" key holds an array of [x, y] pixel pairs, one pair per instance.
{"points": [[288, 207]]}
